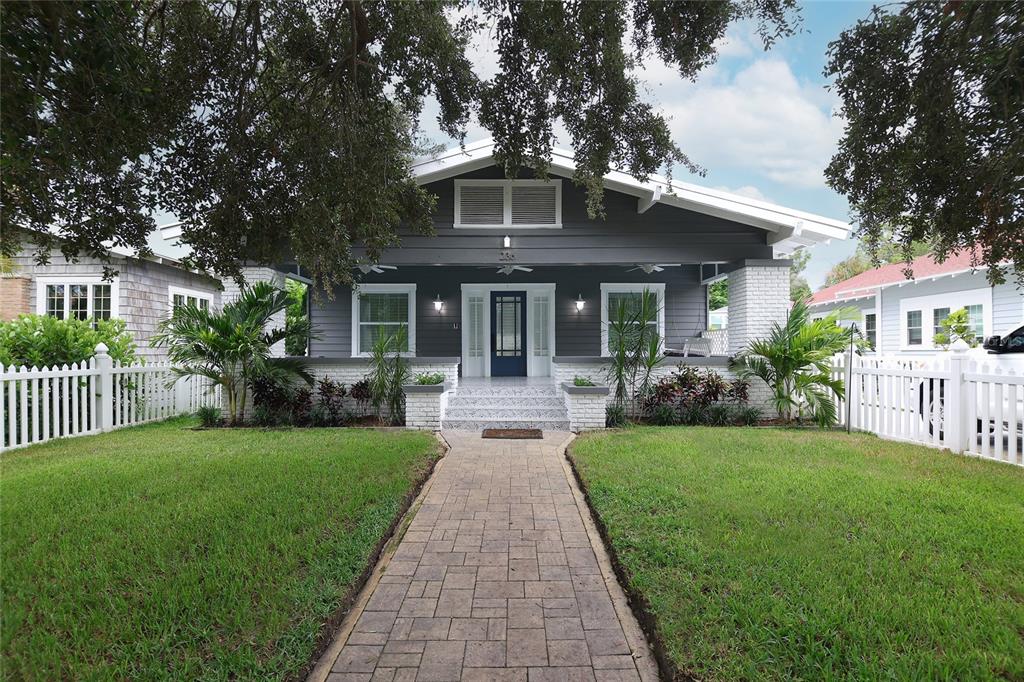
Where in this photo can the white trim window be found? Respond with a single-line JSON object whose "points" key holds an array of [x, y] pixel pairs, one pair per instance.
{"points": [[613, 295], [77, 297], [180, 296], [871, 329], [508, 204], [383, 309], [918, 332]]}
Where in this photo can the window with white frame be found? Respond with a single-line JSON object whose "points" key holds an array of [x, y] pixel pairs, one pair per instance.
{"points": [[871, 329], [919, 331], [78, 298], [508, 204], [629, 296], [914, 335], [383, 310], [180, 297]]}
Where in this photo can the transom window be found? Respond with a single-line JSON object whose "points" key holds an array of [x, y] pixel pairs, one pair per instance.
{"points": [[181, 297], [80, 298], [508, 203], [383, 310], [614, 296]]}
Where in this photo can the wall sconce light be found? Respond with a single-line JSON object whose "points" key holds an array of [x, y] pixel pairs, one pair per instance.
{"points": [[580, 302], [507, 242], [438, 303]]}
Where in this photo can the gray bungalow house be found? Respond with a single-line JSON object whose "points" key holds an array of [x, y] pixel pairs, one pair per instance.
{"points": [[511, 297]]}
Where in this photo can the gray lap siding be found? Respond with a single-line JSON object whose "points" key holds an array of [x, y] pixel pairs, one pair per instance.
{"points": [[576, 333]]}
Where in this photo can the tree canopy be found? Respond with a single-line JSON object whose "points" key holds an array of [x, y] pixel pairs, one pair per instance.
{"points": [[888, 250], [933, 96], [274, 125]]}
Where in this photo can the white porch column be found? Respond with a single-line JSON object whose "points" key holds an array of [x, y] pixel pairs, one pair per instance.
{"points": [[253, 274], [758, 296]]}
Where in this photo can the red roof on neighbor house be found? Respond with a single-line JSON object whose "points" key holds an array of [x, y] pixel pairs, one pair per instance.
{"points": [[867, 282]]}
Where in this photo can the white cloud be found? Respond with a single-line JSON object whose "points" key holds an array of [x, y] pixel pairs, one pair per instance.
{"points": [[762, 119], [748, 191]]}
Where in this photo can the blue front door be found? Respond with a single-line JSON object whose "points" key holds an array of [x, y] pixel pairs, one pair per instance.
{"points": [[508, 333]]}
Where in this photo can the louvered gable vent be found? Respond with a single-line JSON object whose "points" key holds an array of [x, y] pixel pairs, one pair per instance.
{"points": [[482, 205], [534, 205], [508, 203]]}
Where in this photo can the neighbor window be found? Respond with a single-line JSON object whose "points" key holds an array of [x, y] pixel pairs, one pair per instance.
{"points": [[870, 329], [383, 310], [508, 203], [615, 296], [938, 315], [913, 327], [976, 320], [79, 298], [181, 297]]}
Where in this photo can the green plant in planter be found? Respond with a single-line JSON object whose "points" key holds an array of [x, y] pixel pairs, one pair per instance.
{"points": [[428, 378], [581, 381]]}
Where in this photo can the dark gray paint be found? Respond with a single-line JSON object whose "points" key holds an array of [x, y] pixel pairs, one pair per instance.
{"points": [[576, 333], [663, 234]]}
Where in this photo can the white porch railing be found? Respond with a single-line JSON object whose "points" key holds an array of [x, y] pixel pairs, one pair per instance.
{"points": [[37, 405], [718, 339], [952, 401]]}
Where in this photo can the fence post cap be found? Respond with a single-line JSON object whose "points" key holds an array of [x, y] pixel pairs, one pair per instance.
{"points": [[101, 348]]}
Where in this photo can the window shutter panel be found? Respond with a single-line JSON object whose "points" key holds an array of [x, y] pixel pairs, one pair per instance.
{"points": [[534, 205], [482, 205]]}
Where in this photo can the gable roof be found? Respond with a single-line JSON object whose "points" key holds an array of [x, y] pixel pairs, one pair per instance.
{"points": [[790, 228], [869, 282]]}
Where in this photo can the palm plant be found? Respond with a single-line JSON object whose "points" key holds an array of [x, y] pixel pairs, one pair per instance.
{"points": [[635, 347], [795, 361], [232, 347], [388, 372]]}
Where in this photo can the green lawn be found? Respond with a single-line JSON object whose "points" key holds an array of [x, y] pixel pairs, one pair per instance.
{"points": [[784, 554], [165, 552]]}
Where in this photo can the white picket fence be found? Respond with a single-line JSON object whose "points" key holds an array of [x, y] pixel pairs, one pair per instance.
{"points": [[965, 404], [37, 405]]}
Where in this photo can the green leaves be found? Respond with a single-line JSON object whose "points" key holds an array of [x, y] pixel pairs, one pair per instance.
{"points": [[795, 360], [44, 341], [934, 141]]}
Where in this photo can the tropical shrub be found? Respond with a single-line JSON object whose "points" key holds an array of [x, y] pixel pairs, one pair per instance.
{"points": [[296, 312], [956, 326], [360, 392], [795, 361], [664, 415], [635, 347], [331, 401], [615, 416], [429, 378], [231, 348], [280, 403], [388, 372], [45, 341]]}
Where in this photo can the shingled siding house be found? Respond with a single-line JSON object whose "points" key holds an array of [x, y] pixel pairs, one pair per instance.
{"points": [[142, 293], [511, 297]]}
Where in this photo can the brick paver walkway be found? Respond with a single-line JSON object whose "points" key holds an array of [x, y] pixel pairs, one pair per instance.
{"points": [[496, 579]]}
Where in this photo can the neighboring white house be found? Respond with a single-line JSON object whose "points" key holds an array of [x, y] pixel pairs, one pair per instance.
{"points": [[900, 315]]}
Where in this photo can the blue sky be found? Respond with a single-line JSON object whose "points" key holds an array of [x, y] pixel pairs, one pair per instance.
{"points": [[761, 123]]}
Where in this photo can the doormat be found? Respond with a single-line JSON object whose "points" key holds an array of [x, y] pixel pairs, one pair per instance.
{"points": [[513, 434]]}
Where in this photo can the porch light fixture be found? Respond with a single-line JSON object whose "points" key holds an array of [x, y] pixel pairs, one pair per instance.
{"points": [[507, 242], [438, 303], [580, 302]]}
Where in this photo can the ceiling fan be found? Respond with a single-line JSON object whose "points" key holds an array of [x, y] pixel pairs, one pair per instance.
{"points": [[509, 269], [648, 268], [376, 269]]}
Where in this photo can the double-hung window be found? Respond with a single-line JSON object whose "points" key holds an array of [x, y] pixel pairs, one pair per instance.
{"points": [[871, 329], [79, 298], [914, 336], [938, 315], [508, 204], [976, 320], [180, 297], [629, 297], [383, 310]]}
